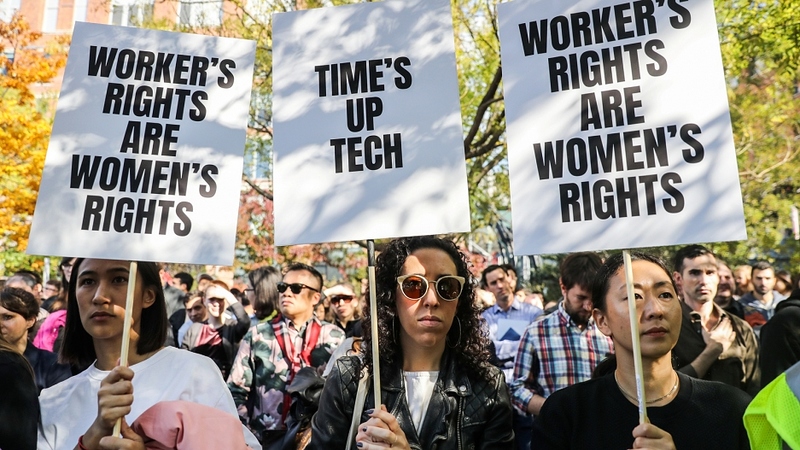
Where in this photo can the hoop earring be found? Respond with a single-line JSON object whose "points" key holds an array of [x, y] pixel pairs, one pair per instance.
{"points": [[458, 321]]}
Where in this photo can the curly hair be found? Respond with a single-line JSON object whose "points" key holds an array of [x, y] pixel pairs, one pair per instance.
{"points": [[470, 338]]}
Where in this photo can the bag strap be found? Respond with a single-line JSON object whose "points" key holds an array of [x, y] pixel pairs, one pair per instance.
{"points": [[358, 407]]}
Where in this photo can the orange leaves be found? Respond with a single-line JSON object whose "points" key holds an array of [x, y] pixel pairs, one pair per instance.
{"points": [[24, 128]]}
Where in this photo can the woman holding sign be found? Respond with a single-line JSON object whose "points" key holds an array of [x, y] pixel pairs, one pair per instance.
{"points": [[684, 412], [438, 390], [81, 412]]}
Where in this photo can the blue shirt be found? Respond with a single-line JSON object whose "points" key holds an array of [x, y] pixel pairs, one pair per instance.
{"points": [[506, 349]]}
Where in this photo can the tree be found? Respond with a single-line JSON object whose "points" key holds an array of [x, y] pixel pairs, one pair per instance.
{"points": [[760, 45], [24, 129]]}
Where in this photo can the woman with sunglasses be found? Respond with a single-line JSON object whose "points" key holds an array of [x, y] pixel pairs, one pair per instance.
{"points": [[346, 309], [80, 413], [438, 390]]}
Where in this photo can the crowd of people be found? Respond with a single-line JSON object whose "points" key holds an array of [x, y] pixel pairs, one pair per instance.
{"points": [[282, 361]]}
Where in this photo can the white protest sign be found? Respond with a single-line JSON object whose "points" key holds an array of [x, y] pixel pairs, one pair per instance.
{"points": [[619, 134], [368, 138], [145, 157]]}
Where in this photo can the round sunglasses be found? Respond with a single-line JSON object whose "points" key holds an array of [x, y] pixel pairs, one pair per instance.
{"points": [[415, 286]]}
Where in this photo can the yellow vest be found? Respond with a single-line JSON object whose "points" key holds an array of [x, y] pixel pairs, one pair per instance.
{"points": [[773, 418]]}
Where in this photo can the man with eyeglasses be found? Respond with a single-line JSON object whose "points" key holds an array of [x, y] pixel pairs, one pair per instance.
{"points": [[272, 352], [346, 309]]}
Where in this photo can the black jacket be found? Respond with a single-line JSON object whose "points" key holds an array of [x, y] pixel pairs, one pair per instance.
{"points": [[780, 339], [464, 412], [46, 368]]}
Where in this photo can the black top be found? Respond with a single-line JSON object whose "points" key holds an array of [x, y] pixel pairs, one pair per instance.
{"points": [[46, 368], [780, 340], [596, 415], [737, 367], [19, 404]]}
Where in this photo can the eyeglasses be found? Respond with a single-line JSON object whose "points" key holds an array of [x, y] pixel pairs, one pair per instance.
{"points": [[341, 298], [294, 287], [415, 286]]}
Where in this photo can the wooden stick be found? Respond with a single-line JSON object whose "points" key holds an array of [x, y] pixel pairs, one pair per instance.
{"points": [[636, 344], [373, 324], [126, 328]]}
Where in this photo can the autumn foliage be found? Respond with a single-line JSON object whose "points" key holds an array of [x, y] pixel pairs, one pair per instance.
{"points": [[24, 124]]}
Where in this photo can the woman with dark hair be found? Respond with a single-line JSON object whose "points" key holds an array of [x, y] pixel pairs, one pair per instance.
{"points": [[684, 412], [19, 408], [438, 390], [18, 311], [81, 412], [262, 291]]}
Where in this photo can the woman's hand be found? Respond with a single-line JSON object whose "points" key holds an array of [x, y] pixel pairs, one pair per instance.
{"points": [[381, 431], [129, 440], [114, 400], [649, 436]]}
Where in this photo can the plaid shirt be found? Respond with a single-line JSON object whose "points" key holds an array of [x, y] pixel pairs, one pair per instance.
{"points": [[553, 354], [260, 368]]}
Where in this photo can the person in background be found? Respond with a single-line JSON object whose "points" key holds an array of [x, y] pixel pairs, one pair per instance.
{"points": [[18, 311], [346, 309], [80, 412], [763, 298], [262, 291], [565, 346], [272, 352], [218, 337], [19, 405], [783, 282], [203, 280], [506, 321], [741, 274], [602, 413], [438, 389], [28, 280], [194, 312], [780, 339], [713, 344], [183, 281], [52, 288], [725, 298]]}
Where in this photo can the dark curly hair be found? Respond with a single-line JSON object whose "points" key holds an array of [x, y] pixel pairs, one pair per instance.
{"points": [[470, 339]]}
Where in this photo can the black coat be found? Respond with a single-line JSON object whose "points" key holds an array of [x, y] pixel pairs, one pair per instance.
{"points": [[46, 368], [464, 412], [19, 406]]}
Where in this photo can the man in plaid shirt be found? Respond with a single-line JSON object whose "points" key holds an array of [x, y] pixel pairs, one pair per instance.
{"points": [[563, 348]]}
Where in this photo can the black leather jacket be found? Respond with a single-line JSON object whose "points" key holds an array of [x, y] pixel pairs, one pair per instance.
{"points": [[464, 412]]}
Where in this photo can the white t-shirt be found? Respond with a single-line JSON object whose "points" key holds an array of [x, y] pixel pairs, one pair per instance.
{"points": [[70, 407], [419, 389]]}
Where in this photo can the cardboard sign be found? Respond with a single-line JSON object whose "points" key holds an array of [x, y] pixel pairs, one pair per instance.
{"points": [[145, 157], [368, 137], [619, 133]]}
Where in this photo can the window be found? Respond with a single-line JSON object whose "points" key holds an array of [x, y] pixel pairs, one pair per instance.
{"points": [[131, 13], [200, 12], [50, 16], [79, 11]]}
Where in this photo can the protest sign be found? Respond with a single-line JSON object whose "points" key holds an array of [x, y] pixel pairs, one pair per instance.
{"points": [[368, 139], [619, 134], [145, 157]]}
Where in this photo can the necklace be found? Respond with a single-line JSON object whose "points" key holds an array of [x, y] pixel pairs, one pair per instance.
{"points": [[634, 399]]}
